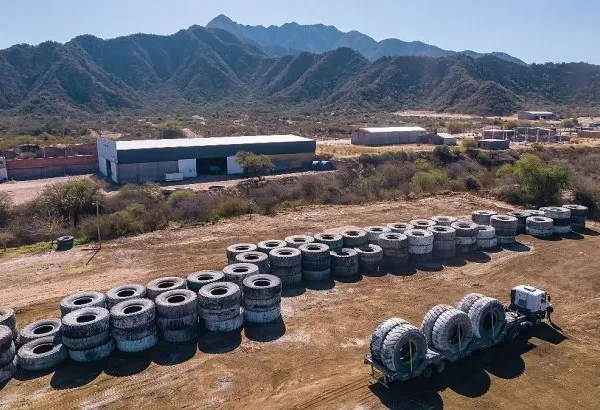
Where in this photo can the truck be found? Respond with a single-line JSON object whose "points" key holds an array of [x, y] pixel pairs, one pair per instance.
{"points": [[528, 307]]}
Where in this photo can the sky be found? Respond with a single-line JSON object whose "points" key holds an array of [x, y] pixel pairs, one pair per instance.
{"points": [[534, 30]]}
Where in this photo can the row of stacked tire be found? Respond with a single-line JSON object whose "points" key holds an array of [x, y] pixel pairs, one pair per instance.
{"points": [[398, 345]]}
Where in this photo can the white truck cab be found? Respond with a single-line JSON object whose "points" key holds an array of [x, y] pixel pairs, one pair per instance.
{"points": [[530, 300]]}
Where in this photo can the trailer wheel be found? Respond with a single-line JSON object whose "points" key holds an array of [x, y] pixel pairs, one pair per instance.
{"points": [[441, 366], [427, 372]]}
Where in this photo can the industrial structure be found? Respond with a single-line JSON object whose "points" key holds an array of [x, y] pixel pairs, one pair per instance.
{"points": [[493, 144], [499, 134], [537, 115], [176, 159], [444, 138], [390, 136]]}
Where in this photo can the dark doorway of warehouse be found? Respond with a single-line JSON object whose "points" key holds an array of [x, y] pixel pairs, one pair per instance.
{"points": [[211, 166]]}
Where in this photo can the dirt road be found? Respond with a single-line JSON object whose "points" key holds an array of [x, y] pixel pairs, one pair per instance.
{"points": [[23, 191], [314, 359]]}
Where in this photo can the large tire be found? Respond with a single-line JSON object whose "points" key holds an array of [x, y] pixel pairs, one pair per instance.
{"points": [[180, 336], [369, 253], [452, 331], [542, 223], [316, 276], [196, 280], [88, 342], [259, 305], [285, 257], [283, 272], [430, 319], [486, 232], [82, 300], [264, 316], [7, 372], [443, 254], [420, 249], [521, 219], [422, 223], [393, 241], [160, 285], [8, 354], [124, 292], [41, 354], [442, 233], [237, 272], [444, 245], [506, 240], [316, 266], [345, 271], [256, 258], [262, 287], [133, 313], [465, 240], [577, 210], [504, 223], [85, 322], [6, 337], [487, 243], [295, 241], [465, 229], [344, 258], [403, 347], [40, 329], [469, 300], [482, 217], [354, 238], [268, 245], [374, 232], [135, 333], [234, 250], [535, 212], [7, 318], [379, 336], [177, 323], [333, 240], [539, 233], [137, 345], [176, 303], [443, 220], [314, 252], [225, 325], [400, 227], [487, 318], [94, 354], [219, 295], [556, 212], [419, 237]]}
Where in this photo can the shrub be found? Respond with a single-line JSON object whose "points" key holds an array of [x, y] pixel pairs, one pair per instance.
{"points": [[472, 184], [195, 207], [429, 181], [176, 197], [468, 143], [170, 130], [456, 127], [5, 206], [131, 221], [230, 207], [444, 154], [541, 183], [512, 194], [254, 164], [72, 199]]}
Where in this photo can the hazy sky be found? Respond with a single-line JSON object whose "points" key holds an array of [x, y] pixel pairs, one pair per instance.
{"points": [[533, 30]]}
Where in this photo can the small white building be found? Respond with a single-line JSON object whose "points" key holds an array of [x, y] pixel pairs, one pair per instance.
{"points": [[444, 138], [388, 135], [537, 115]]}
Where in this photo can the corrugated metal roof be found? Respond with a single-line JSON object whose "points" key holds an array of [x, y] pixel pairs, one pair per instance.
{"points": [[445, 135], [392, 129], [207, 142], [539, 112]]}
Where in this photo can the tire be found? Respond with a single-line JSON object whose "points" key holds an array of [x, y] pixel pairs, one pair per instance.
{"points": [[95, 354], [135, 333], [369, 253], [452, 331], [441, 366], [504, 223], [196, 280], [6, 337], [465, 229], [285, 257], [487, 243], [41, 354], [398, 345], [7, 355], [176, 303], [506, 240], [82, 300], [237, 272], [422, 223], [256, 258], [354, 238], [561, 230], [465, 240], [180, 336], [400, 227], [482, 217], [215, 315], [506, 232], [85, 322], [443, 220], [266, 316], [577, 210], [535, 212], [486, 232], [444, 254], [395, 253], [84, 343], [374, 232], [7, 372], [124, 292], [233, 250], [333, 240], [178, 323], [259, 305], [292, 280], [487, 318], [137, 345], [344, 258], [132, 313], [521, 219], [391, 262], [316, 276], [160, 285], [427, 372], [393, 241], [556, 212], [419, 237], [444, 245], [430, 319], [419, 258], [219, 295], [540, 222], [286, 271], [268, 245], [314, 252], [345, 271], [7, 318], [379, 336], [262, 287], [442, 233], [295, 241], [225, 325], [318, 265], [420, 249], [40, 329]]}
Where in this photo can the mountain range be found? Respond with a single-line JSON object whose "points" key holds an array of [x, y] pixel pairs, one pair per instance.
{"points": [[293, 38], [198, 68]]}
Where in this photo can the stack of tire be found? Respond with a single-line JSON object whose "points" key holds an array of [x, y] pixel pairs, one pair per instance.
{"points": [[486, 315], [177, 315], [39, 329], [539, 226], [8, 319], [261, 260], [237, 272], [82, 300], [262, 298], [86, 334], [134, 325], [316, 262], [219, 306], [395, 249], [535, 212], [354, 238], [422, 223], [333, 240], [124, 292], [561, 218], [8, 351], [270, 244], [447, 329], [196, 280], [41, 353], [295, 241], [400, 227], [486, 237], [286, 264], [374, 232], [398, 345], [443, 220], [506, 228], [370, 258], [521, 219], [444, 242], [466, 236], [344, 263], [482, 217], [162, 285], [420, 244], [578, 217], [234, 250]]}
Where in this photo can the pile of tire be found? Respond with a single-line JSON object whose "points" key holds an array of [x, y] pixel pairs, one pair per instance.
{"points": [[447, 329], [196, 280], [400, 227], [86, 334], [262, 298], [561, 218], [535, 212], [539, 226], [122, 293], [521, 219], [443, 220], [370, 258], [260, 259], [82, 300], [395, 249], [177, 315], [486, 315], [466, 236], [333, 240], [235, 249], [286, 264], [134, 325], [316, 262], [41, 354], [219, 306], [486, 237], [8, 319], [39, 329], [295, 241], [422, 223], [8, 351], [344, 263], [374, 232], [482, 216], [420, 244], [162, 285], [353, 238], [578, 217], [444, 242], [398, 345], [270, 244], [506, 228], [237, 272]]}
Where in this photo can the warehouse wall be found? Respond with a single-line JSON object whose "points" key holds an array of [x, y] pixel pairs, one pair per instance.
{"points": [[145, 172], [37, 168]]}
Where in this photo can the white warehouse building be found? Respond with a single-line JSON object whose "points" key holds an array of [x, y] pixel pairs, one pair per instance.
{"points": [[388, 135]]}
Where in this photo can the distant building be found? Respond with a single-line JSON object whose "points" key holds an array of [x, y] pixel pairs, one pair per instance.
{"points": [[537, 115], [498, 134], [445, 139], [493, 144], [389, 135]]}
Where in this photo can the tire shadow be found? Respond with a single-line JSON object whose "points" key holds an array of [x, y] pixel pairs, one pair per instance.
{"points": [[468, 378], [265, 332], [552, 238], [218, 342], [121, 364], [25, 375], [381, 272], [432, 266], [409, 395], [320, 285], [457, 262], [71, 375], [478, 257], [170, 354], [573, 236], [349, 279], [515, 247], [293, 291], [406, 270], [495, 249], [505, 361], [590, 232]]}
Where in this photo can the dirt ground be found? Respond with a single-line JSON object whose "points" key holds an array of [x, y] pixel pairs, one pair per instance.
{"points": [[23, 191], [314, 358]]}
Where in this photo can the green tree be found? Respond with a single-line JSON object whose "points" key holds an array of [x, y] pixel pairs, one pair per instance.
{"points": [[254, 164], [541, 183], [468, 143], [72, 199], [171, 129], [510, 124]]}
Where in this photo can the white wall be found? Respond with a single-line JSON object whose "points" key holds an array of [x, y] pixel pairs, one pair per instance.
{"points": [[114, 170], [107, 149], [102, 165], [3, 170], [233, 167], [187, 167]]}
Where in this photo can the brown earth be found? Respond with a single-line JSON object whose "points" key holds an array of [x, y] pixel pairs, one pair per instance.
{"points": [[315, 358]]}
